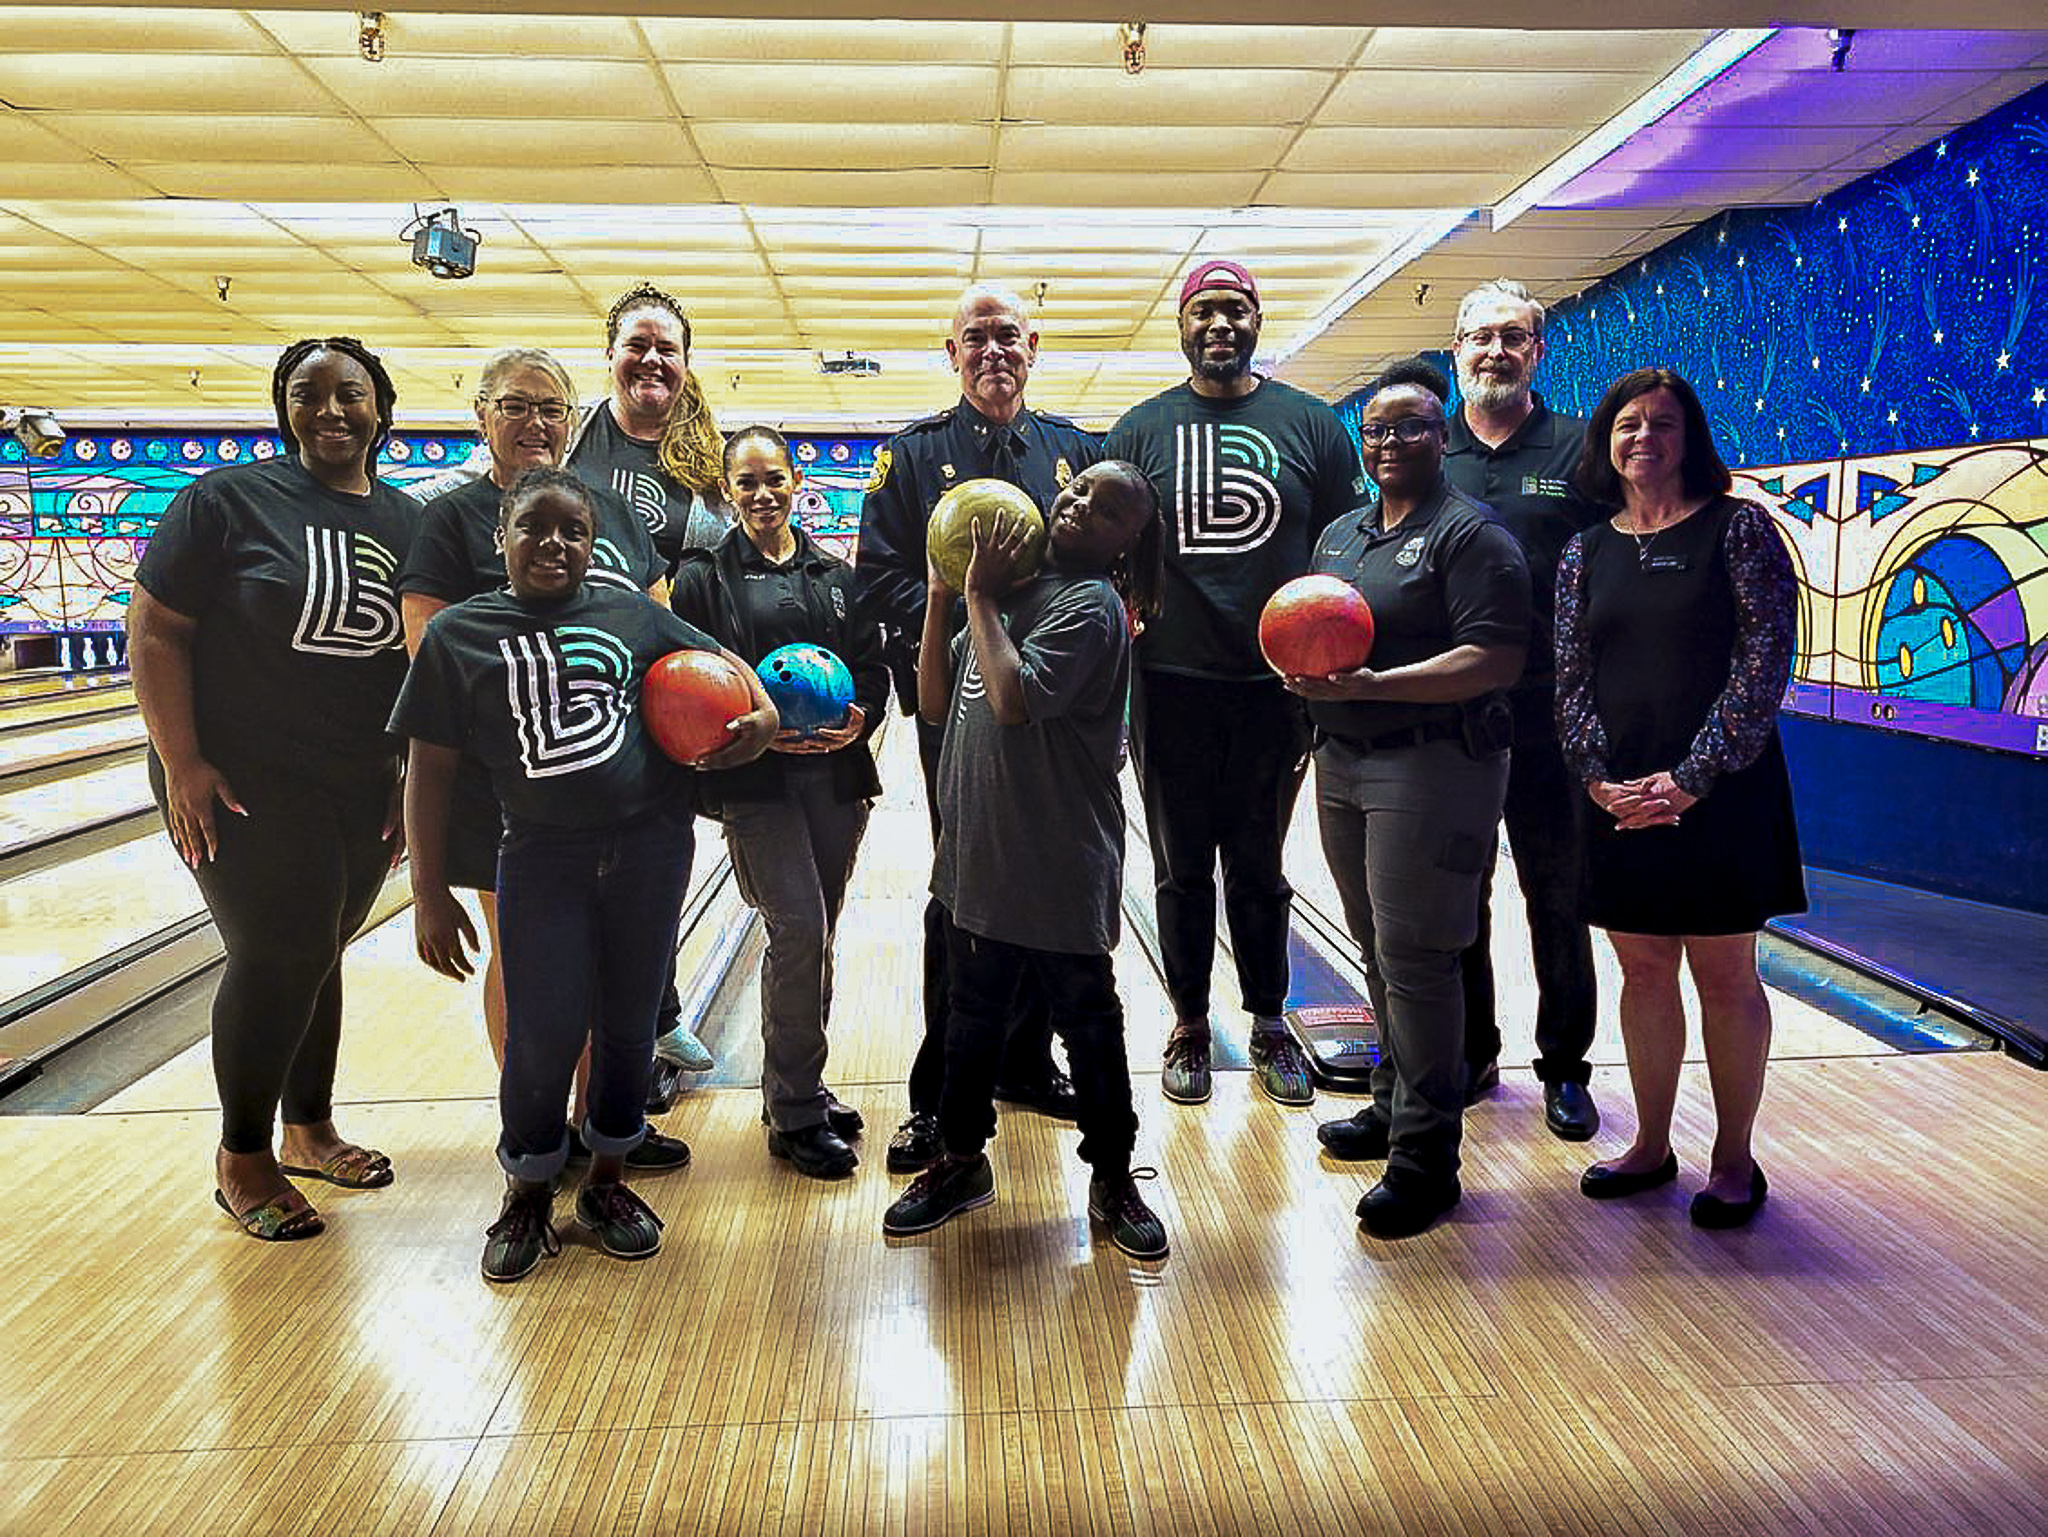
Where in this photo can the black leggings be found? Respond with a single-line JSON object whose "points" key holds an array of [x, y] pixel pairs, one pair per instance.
{"points": [[291, 883]]}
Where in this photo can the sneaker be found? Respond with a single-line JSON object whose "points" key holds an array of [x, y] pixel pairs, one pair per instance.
{"points": [[1133, 1226], [916, 1144], [625, 1226], [1281, 1068], [941, 1193], [1185, 1079], [818, 1151], [523, 1233], [683, 1048]]}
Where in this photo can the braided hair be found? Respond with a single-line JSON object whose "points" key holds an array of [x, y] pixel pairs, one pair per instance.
{"points": [[692, 451], [543, 477], [385, 392], [1139, 573]]}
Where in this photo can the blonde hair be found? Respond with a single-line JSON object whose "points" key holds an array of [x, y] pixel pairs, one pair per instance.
{"points": [[499, 364], [692, 451]]}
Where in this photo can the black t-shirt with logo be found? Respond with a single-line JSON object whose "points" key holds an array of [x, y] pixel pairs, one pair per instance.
{"points": [[1527, 481], [547, 697], [675, 517], [299, 651], [457, 555], [1447, 575], [1245, 485]]}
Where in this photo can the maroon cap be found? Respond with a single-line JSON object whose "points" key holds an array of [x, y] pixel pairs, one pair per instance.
{"points": [[1218, 274]]}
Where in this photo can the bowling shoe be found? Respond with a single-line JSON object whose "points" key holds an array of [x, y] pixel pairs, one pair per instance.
{"points": [[1281, 1068], [1054, 1097], [1184, 1077], [916, 1144], [941, 1193]]}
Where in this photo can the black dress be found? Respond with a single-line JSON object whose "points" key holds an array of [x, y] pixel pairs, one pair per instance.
{"points": [[1673, 652]]}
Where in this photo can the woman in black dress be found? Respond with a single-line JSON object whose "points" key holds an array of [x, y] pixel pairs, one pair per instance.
{"points": [[1676, 621]]}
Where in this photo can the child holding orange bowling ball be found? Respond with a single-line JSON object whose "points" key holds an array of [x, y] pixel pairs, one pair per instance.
{"points": [[1031, 849], [540, 682]]}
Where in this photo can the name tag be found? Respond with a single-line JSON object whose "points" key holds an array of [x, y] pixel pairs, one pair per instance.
{"points": [[1656, 563], [1537, 485]]}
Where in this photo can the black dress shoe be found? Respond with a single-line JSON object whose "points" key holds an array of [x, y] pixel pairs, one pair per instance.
{"points": [[1481, 1081], [1604, 1184], [916, 1144], [842, 1118], [1398, 1208], [1054, 1097], [1569, 1111], [1355, 1138], [818, 1151], [1712, 1211]]}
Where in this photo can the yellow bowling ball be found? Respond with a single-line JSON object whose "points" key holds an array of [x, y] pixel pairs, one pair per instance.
{"points": [[949, 537]]}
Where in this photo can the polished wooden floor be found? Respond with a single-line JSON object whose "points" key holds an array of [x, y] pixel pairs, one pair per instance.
{"points": [[1870, 1357]]}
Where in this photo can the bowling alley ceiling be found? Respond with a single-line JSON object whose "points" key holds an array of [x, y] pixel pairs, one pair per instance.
{"points": [[182, 191]]}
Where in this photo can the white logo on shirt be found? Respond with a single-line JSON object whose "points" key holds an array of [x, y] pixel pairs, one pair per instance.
{"points": [[971, 686], [350, 609], [609, 568], [645, 495], [1225, 496], [569, 697]]}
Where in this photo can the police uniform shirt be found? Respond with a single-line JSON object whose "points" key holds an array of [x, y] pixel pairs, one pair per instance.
{"points": [[1037, 451], [1245, 484], [299, 651], [1527, 481], [547, 696], [675, 517], [457, 554], [1448, 575]]}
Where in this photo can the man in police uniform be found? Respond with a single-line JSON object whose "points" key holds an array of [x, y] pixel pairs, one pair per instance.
{"points": [[990, 432], [1512, 452]]}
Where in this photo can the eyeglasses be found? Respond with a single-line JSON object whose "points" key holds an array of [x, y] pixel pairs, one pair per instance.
{"points": [[1409, 429], [517, 408], [1514, 338]]}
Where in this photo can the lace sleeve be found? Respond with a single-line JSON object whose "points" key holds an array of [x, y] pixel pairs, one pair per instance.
{"points": [[1579, 730], [1766, 631]]}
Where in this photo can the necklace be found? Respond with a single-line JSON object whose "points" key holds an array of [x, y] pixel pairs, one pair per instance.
{"points": [[1644, 545]]}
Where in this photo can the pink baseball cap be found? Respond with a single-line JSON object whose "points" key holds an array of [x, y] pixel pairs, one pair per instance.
{"points": [[1219, 274]]}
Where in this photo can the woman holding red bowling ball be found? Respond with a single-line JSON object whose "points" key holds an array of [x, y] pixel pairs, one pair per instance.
{"points": [[1676, 622], [1410, 777], [793, 817], [265, 643]]}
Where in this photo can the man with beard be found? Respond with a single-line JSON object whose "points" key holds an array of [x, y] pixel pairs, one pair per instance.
{"points": [[1248, 471], [990, 432], [1512, 452]]}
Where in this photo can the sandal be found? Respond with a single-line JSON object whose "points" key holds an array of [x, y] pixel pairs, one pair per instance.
{"points": [[353, 1168], [276, 1221]]}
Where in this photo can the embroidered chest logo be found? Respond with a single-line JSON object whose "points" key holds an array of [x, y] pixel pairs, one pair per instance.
{"points": [[1226, 493], [569, 695], [350, 608], [645, 494], [1411, 552]]}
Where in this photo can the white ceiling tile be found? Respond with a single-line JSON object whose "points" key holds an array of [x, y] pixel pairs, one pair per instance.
{"points": [[1139, 149], [849, 93], [1386, 189], [73, 179], [413, 35], [126, 29], [1503, 48], [1479, 99], [836, 189], [1182, 45], [624, 185], [202, 137], [483, 88], [392, 181], [1120, 187], [855, 146], [1428, 149], [1250, 97], [541, 142], [824, 41], [173, 82]]}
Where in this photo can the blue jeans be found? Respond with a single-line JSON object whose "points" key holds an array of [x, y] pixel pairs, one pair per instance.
{"points": [[587, 921]]}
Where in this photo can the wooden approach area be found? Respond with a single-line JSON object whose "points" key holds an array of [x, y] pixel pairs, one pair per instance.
{"points": [[1870, 1357]]}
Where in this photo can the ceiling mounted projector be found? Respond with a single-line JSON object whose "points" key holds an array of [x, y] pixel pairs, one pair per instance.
{"points": [[441, 244]]}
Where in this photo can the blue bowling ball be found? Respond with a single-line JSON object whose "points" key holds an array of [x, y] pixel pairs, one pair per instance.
{"points": [[810, 686]]}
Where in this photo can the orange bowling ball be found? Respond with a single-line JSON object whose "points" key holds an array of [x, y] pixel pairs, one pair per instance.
{"points": [[687, 699], [1315, 625], [949, 536]]}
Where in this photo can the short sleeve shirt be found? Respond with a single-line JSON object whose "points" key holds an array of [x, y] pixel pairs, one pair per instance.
{"points": [[299, 651], [457, 555], [547, 697], [1245, 486], [675, 517], [1031, 847], [1447, 575]]}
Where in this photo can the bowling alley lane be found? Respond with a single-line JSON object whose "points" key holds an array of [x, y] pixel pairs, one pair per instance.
{"points": [[60, 918], [16, 713], [21, 751], [30, 813], [45, 685]]}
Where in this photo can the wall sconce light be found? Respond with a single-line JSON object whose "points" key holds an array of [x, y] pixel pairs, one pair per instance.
{"points": [[1133, 35], [220, 286], [370, 36]]}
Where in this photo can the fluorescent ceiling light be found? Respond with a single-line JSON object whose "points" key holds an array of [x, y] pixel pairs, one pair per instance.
{"points": [[1435, 227], [1719, 53]]}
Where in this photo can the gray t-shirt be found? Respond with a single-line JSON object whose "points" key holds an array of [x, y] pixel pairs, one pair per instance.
{"points": [[1032, 851]]}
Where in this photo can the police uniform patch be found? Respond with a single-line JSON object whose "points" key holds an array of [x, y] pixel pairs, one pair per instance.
{"points": [[1062, 472], [879, 475], [1411, 552]]}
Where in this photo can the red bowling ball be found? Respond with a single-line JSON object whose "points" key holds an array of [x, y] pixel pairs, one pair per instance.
{"points": [[687, 700], [1315, 625]]}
